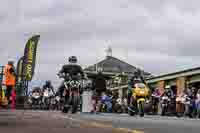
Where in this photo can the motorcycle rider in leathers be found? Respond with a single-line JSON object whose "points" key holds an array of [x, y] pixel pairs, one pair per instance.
{"points": [[73, 69], [137, 75], [48, 85]]}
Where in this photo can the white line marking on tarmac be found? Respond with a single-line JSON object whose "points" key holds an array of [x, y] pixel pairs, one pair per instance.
{"points": [[99, 125]]}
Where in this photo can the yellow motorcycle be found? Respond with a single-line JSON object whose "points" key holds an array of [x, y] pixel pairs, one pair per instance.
{"points": [[139, 97]]}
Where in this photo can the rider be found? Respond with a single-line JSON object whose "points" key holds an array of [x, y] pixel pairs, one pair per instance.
{"points": [[72, 69], [169, 92], [48, 86], [131, 83]]}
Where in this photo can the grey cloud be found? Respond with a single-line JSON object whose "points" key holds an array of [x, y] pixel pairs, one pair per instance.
{"points": [[159, 36]]}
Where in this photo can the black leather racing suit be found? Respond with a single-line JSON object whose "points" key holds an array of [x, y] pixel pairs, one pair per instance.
{"points": [[72, 70]]}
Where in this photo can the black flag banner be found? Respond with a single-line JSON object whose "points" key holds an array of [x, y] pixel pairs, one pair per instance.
{"points": [[19, 69], [30, 58]]}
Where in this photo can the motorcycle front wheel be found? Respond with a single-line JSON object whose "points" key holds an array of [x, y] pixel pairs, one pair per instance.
{"points": [[164, 110], [131, 113], [141, 109], [75, 103]]}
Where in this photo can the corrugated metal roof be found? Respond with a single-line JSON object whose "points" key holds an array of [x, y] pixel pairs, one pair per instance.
{"points": [[175, 73], [114, 65]]}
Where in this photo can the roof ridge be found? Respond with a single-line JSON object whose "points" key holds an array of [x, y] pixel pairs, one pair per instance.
{"points": [[95, 64], [122, 61], [124, 64]]}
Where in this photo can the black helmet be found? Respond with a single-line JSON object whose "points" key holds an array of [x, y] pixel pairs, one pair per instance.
{"points": [[72, 59], [10, 61], [48, 82]]}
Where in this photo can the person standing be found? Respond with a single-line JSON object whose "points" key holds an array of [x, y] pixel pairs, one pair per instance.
{"points": [[99, 87], [10, 79]]}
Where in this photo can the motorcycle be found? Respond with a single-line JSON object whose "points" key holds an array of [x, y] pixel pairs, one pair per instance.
{"points": [[165, 100], [118, 106], [55, 103], [47, 99], [187, 101], [35, 100], [198, 107], [106, 104], [155, 101], [73, 87], [139, 99]]}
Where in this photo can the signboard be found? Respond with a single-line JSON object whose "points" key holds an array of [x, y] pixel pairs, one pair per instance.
{"points": [[30, 58]]}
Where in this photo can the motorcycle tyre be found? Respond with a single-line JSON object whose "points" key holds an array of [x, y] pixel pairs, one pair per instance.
{"points": [[141, 109], [163, 112], [65, 109], [75, 104], [131, 113]]}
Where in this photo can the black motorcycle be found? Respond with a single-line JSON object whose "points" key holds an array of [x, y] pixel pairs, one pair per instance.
{"points": [[36, 100], [72, 94], [118, 106], [188, 106], [165, 101], [46, 100], [155, 102]]}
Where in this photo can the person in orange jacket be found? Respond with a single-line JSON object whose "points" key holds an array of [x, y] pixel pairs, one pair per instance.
{"points": [[10, 78]]}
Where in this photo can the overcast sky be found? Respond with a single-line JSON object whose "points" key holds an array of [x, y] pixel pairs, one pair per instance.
{"points": [[159, 36]]}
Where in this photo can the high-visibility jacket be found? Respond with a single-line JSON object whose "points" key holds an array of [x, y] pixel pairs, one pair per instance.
{"points": [[10, 78]]}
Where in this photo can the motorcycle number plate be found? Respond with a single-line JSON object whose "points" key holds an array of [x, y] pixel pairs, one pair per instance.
{"points": [[36, 97], [141, 92], [46, 94]]}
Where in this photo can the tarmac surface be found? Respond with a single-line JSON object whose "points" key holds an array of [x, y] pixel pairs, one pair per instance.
{"points": [[20, 121], [42, 122]]}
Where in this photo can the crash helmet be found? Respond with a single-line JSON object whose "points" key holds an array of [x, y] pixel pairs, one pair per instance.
{"points": [[72, 59], [48, 82], [11, 62]]}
